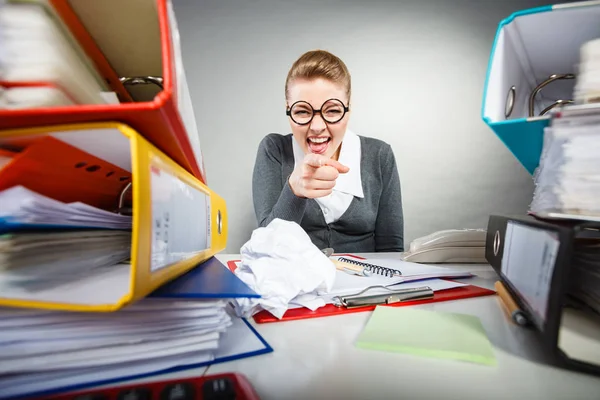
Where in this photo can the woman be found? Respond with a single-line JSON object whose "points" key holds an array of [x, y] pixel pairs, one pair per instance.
{"points": [[343, 189]]}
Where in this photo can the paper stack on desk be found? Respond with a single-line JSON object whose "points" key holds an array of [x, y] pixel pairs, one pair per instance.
{"points": [[413, 275], [44, 351], [346, 283]]}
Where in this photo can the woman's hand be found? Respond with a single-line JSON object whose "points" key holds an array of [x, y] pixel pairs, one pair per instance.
{"points": [[316, 176]]}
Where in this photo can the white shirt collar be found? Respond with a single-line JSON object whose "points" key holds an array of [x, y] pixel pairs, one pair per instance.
{"points": [[350, 156]]}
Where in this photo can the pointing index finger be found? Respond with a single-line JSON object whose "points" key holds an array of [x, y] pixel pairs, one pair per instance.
{"points": [[317, 160], [342, 169]]}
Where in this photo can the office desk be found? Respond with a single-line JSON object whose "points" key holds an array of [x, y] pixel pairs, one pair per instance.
{"points": [[316, 359]]}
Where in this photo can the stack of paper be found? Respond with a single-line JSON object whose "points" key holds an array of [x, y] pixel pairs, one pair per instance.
{"points": [[35, 260], [346, 283], [58, 252], [42, 350], [585, 273], [23, 208], [38, 49], [587, 88], [413, 275], [567, 181], [40, 247]]}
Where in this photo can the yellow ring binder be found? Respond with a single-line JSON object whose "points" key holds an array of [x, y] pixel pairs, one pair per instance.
{"points": [[195, 219]]}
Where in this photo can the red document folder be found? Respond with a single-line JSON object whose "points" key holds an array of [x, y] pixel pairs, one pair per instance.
{"points": [[160, 120], [463, 292]]}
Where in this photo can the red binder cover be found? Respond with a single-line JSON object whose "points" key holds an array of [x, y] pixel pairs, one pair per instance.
{"points": [[158, 120], [63, 172], [463, 292]]}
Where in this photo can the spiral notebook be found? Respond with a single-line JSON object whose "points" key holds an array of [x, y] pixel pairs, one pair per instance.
{"points": [[386, 272]]}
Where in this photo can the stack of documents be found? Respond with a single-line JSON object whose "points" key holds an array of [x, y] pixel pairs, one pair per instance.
{"points": [[413, 275], [587, 88], [36, 260], [47, 245], [41, 62], [43, 350], [23, 208], [346, 283], [567, 181], [585, 273]]}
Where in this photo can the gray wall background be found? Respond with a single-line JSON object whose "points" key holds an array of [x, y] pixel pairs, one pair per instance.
{"points": [[418, 69]]}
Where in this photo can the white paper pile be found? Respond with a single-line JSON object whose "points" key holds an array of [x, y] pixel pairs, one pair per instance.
{"points": [[19, 205], [567, 181], [585, 273], [46, 349], [36, 46], [587, 87]]}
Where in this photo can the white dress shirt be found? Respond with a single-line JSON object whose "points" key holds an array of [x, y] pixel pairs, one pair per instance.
{"points": [[348, 185]]}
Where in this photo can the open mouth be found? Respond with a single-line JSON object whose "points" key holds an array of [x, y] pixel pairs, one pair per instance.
{"points": [[318, 145]]}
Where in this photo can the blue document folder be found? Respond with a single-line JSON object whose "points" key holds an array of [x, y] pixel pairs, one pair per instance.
{"points": [[535, 48], [209, 280]]}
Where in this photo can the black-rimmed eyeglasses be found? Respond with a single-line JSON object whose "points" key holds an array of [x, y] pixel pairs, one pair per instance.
{"points": [[302, 113]]}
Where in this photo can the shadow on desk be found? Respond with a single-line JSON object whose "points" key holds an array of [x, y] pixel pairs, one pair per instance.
{"points": [[504, 334]]}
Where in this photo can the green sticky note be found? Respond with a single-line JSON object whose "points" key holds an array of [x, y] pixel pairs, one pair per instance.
{"points": [[427, 333]]}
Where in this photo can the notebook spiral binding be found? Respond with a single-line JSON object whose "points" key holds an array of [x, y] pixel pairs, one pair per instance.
{"points": [[376, 269]]}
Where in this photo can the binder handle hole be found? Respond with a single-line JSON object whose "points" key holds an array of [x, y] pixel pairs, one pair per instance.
{"points": [[123, 178], [496, 243], [111, 173], [92, 168], [219, 222], [80, 164]]}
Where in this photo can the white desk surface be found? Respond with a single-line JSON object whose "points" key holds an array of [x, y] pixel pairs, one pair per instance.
{"points": [[316, 359]]}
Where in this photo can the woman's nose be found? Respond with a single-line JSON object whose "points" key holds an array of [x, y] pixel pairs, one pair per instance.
{"points": [[317, 124]]}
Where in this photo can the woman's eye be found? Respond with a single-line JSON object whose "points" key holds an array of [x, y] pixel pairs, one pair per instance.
{"points": [[301, 113], [333, 112]]}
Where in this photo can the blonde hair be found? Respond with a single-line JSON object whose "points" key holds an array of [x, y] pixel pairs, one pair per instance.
{"points": [[319, 64]]}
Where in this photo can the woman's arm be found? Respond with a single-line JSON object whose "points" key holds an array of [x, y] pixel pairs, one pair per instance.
{"points": [[389, 226], [272, 198]]}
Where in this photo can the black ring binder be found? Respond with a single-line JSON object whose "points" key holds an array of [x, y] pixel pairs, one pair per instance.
{"points": [[376, 269]]}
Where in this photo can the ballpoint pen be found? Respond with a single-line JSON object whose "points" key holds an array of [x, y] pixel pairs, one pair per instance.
{"points": [[351, 268], [346, 267]]}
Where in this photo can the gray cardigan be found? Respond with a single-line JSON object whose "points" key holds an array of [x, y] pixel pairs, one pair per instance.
{"points": [[370, 224]]}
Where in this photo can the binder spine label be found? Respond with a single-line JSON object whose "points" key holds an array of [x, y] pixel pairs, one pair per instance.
{"points": [[528, 262], [180, 222]]}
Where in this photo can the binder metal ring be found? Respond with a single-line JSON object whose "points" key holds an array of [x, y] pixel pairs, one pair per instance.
{"points": [[142, 80], [121, 209], [539, 87], [556, 103], [510, 101]]}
